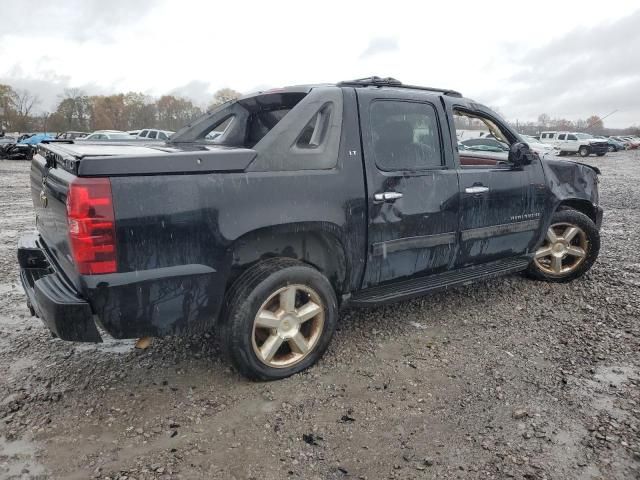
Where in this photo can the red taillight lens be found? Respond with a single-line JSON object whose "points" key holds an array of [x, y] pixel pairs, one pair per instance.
{"points": [[92, 226]]}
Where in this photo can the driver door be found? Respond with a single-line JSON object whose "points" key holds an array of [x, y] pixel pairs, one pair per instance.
{"points": [[501, 205]]}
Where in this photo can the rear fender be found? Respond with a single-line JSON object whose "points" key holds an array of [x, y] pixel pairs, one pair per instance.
{"points": [[315, 243]]}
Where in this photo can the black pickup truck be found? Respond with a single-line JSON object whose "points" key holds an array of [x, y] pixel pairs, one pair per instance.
{"points": [[308, 199]]}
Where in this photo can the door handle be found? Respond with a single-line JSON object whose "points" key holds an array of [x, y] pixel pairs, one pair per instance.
{"points": [[476, 189], [387, 196]]}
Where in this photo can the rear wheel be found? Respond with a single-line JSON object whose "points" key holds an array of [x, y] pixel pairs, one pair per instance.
{"points": [[584, 151], [570, 248], [280, 317]]}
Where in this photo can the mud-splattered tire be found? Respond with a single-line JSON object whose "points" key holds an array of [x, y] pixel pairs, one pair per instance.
{"points": [[570, 248], [279, 317], [584, 151]]}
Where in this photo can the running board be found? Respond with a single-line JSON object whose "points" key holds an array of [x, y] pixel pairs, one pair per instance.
{"points": [[415, 287]]}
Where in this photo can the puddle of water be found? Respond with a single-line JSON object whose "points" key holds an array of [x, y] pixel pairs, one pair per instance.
{"points": [[109, 345], [17, 457]]}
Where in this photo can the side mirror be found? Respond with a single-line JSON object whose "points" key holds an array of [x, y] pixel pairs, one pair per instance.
{"points": [[520, 154]]}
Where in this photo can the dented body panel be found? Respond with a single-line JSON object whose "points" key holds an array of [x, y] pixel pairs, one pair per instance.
{"points": [[190, 216]]}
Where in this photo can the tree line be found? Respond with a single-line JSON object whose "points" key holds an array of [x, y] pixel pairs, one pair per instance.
{"points": [[123, 111], [133, 110]]}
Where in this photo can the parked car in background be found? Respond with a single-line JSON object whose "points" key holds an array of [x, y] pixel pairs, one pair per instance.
{"points": [[537, 146], [485, 144], [71, 135], [627, 144], [634, 142], [614, 145], [572, 142], [154, 134], [36, 138], [108, 135]]}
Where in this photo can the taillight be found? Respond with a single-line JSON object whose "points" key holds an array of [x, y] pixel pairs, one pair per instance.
{"points": [[92, 226]]}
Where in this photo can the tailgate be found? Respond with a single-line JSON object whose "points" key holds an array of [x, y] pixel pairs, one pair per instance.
{"points": [[49, 189]]}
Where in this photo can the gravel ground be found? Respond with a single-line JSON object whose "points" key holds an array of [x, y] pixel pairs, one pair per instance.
{"points": [[504, 379]]}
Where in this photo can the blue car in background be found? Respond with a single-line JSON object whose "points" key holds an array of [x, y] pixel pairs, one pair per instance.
{"points": [[37, 138]]}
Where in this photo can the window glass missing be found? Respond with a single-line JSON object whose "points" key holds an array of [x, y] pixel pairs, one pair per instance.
{"points": [[315, 131]]}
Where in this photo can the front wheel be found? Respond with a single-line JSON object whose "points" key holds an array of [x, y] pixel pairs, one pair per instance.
{"points": [[570, 248], [280, 317], [584, 151]]}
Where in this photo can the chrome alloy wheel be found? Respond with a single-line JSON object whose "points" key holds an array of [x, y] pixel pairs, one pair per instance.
{"points": [[564, 249], [288, 326]]}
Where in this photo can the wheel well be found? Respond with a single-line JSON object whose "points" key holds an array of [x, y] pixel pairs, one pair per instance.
{"points": [[582, 206], [319, 249]]}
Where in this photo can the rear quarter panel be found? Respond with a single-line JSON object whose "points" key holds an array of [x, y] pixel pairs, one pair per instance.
{"points": [[176, 236]]}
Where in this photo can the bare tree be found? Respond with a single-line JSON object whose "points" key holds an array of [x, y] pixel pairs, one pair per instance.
{"points": [[544, 120], [222, 96], [23, 103]]}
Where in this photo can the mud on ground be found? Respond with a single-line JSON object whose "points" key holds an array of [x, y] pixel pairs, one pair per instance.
{"points": [[505, 379]]}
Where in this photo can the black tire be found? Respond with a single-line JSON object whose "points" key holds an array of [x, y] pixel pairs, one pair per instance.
{"points": [[584, 151], [571, 217], [248, 294]]}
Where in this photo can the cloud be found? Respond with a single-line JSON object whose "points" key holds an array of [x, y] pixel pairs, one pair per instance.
{"points": [[197, 91], [592, 70], [81, 20], [574, 63], [379, 45]]}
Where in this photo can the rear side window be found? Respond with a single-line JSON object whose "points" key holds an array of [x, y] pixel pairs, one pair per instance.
{"points": [[152, 134], [314, 132], [405, 135], [562, 136], [572, 137]]}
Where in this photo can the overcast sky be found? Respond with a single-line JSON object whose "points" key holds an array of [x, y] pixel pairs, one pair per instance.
{"points": [[567, 59]]}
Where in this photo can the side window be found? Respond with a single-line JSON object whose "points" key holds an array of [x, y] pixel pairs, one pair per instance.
{"points": [[152, 134], [314, 132], [572, 137], [562, 136], [405, 135], [162, 136], [492, 149], [143, 133]]}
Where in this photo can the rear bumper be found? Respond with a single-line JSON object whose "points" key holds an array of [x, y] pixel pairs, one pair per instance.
{"points": [[51, 297]]}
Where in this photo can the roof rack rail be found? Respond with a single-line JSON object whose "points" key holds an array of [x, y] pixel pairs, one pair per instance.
{"points": [[393, 82]]}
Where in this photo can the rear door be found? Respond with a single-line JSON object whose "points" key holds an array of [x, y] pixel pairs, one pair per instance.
{"points": [[412, 185]]}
